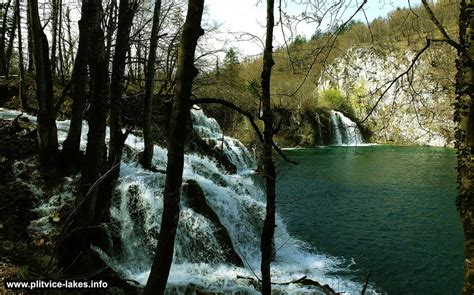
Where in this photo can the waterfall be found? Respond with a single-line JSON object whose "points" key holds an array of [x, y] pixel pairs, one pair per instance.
{"points": [[209, 130], [344, 131], [319, 134], [238, 200]]}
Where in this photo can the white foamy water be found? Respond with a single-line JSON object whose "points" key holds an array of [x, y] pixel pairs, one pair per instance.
{"points": [[344, 131], [237, 199]]}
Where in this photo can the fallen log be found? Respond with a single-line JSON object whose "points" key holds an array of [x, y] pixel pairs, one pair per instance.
{"points": [[302, 281]]}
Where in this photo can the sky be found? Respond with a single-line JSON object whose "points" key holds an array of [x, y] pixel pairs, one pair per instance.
{"points": [[237, 17]]}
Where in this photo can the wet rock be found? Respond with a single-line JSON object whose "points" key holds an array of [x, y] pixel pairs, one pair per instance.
{"points": [[211, 148], [138, 209], [196, 200]]}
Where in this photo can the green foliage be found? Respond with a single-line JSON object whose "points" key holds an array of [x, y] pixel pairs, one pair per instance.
{"points": [[341, 28], [334, 99], [231, 60], [298, 41]]}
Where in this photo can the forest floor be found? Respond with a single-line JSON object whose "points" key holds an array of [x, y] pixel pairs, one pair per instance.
{"points": [[23, 255]]}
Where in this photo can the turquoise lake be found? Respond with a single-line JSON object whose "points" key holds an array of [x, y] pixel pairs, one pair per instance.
{"points": [[385, 209]]}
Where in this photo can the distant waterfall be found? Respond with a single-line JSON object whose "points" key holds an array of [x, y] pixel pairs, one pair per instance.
{"points": [[344, 131], [319, 133]]}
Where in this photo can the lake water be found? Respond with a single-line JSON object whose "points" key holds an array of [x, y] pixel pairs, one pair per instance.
{"points": [[389, 210]]}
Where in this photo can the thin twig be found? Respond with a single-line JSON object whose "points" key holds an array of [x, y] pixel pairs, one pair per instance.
{"points": [[415, 59]]}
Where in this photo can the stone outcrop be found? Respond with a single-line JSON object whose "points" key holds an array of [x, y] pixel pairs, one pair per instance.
{"points": [[196, 200]]}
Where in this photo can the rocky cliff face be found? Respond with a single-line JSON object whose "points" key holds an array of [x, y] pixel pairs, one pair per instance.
{"points": [[317, 127], [417, 107]]}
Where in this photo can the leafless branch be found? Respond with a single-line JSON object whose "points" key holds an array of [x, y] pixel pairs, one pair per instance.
{"points": [[410, 67]]}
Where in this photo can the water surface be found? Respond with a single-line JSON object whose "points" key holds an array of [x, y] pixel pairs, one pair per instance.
{"points": [[387, 209]]}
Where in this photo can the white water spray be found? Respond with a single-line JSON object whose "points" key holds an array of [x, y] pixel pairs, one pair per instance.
{"points": [[238, 201], [344, 131]]}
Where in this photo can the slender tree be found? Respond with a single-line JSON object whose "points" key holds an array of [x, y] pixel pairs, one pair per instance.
{"points": [[268, 165], [11, 39], [127, 10], [186, 72], [464, 117], [464, 134], [69, 50], [47, 132], [84, 229], [78, 82], [111, 24], [21, 66], [3, 35], [95, 151], [54, 31], [30, 45], [149, 83], [61, 49]]}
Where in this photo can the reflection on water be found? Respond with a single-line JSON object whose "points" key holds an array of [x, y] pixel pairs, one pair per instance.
{"points": [[390, 209]]}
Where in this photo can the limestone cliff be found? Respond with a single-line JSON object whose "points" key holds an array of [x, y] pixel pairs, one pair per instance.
{"points": [[417, 107]]}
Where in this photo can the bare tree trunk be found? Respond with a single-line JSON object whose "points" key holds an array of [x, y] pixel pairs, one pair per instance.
{"points": [[268, 165], [3, 60], [78, 82], [21, 67], [70, 48], [464, 116], [84, 228], [127, 10], [149, 83], [95, 151], [186, 73], [126, 13], [54, 33], [30, 45], [110, 28], [47, 132], [61, 41], [8, 53]]}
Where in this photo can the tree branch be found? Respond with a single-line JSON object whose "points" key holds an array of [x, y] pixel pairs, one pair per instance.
{"points": [[440, 27], [415, 59], [228, 104]]}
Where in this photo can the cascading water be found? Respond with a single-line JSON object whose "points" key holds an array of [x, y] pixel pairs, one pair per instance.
{"points": [[209, 130], [344, 131], [319, 134], [198, 259]]}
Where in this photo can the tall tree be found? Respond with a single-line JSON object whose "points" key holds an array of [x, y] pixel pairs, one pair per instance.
{"points": [[4, 8], [127, 10], [30, 45], [11, 39], [464, 134], [84, 228], [268, 165], [54, 31], [78, 82], [21, 66], [464, 117], [47, 132], [61, 49], [149, 83], [186, 72], [111, 24]]}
